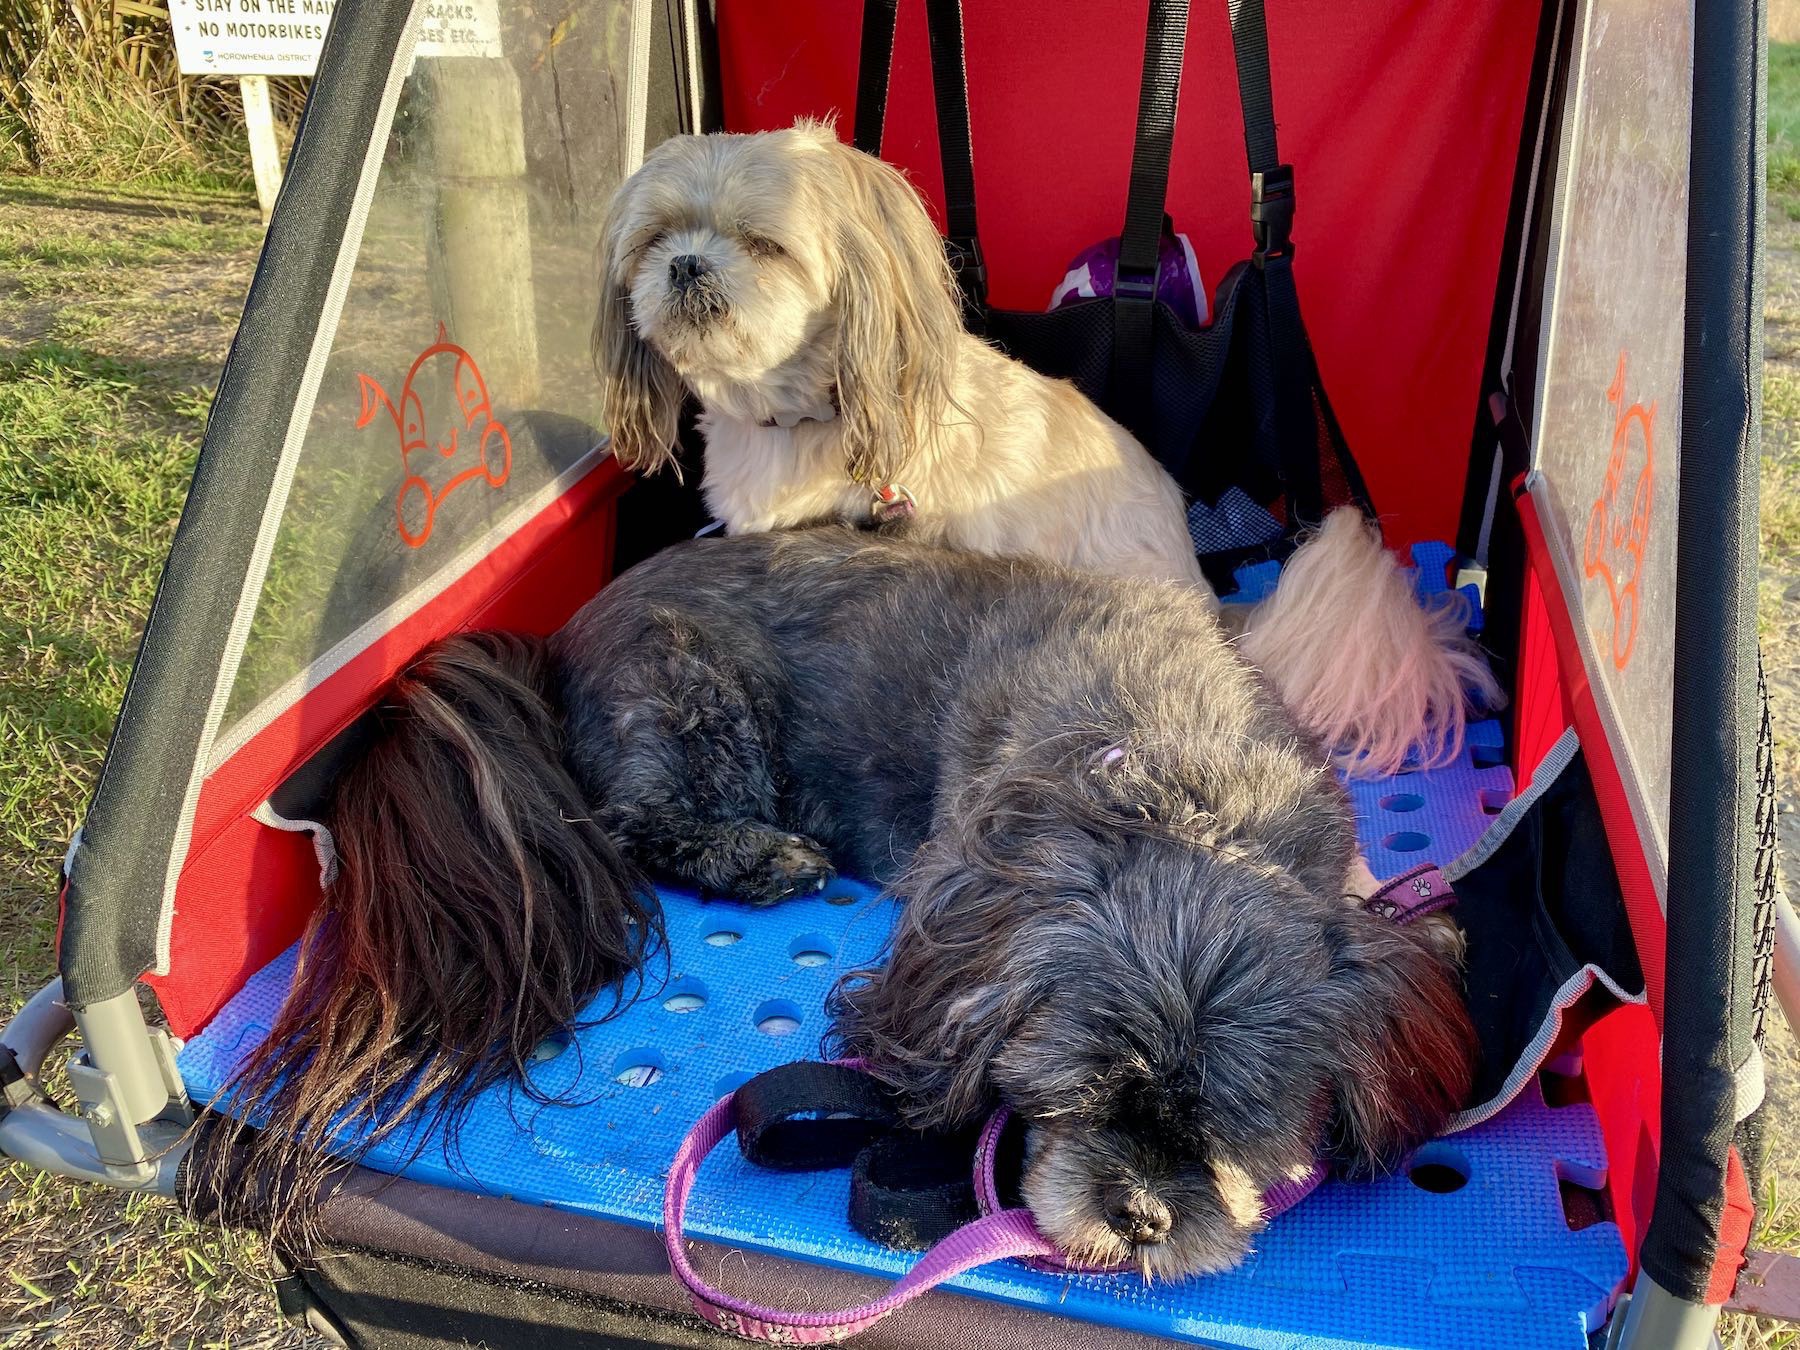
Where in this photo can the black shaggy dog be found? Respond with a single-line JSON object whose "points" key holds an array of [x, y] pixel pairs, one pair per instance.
{"points": [[1124, 867]]}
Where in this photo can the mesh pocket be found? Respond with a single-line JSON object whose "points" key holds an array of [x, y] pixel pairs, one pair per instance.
{"points": [[1213, 422]]}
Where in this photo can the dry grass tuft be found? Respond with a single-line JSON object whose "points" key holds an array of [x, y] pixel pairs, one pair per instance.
{"points": [[89, 90]]}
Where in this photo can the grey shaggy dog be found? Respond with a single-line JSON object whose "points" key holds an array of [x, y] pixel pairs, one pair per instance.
{"points": [[1123, 862]]}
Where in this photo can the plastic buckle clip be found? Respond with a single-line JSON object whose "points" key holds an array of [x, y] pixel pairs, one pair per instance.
{"points": [[1272, 213], [1134, 285]]}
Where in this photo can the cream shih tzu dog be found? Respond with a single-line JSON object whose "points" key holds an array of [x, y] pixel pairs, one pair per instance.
{"points": [[798, 289]]}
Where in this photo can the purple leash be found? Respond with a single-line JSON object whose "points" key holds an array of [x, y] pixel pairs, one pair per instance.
{"points": [[993, 1237], [998, 1234]]}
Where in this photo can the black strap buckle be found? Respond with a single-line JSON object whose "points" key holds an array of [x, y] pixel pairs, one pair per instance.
{"points": [[1272, 213], [1134, 285]]}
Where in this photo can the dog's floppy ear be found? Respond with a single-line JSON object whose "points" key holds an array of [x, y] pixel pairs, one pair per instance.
{"points": [[1403, 1042], [641, 390], [898, 315], [932, 1020]]}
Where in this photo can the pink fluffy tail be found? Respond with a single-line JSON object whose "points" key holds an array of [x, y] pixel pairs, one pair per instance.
{"points": [[1376, 676]]}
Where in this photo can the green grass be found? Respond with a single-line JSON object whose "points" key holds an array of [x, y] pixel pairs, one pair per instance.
{"points": [[1778, 1229], [1784, 126], [1780, 468], [97, 462], [95, 455], [90, 90], [42, 261]]}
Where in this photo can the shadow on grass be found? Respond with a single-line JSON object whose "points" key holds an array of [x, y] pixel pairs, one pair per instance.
{"points": [[149, 202]]}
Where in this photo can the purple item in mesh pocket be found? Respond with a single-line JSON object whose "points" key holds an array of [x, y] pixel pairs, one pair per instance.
{"points": [[1178, 282]]}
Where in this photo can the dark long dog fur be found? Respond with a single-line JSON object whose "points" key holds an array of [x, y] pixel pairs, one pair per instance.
{"points": [[1124, 867]]}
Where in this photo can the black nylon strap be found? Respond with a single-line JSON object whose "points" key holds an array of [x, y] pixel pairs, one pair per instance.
{"points": [[1289, 363], [1250, 44], [950, 91], [784, 1116], [874, 69], [1165, 42], [1140, 242], [910, 1190], [950, 96]]}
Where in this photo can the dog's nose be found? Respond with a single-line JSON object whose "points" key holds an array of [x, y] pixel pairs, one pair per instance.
{"points": [[1138, 1216], [686, 270]]}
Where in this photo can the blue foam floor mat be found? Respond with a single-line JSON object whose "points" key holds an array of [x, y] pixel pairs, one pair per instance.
{"points": [[1493, 1263]]}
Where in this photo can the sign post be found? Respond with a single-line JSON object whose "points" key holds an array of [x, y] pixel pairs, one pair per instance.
{"points": [[480, 249], [254, 39], [265, 154]]}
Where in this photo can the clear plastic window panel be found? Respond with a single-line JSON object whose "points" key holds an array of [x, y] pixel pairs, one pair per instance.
{"points": [[459, 392], [1609, 419]]}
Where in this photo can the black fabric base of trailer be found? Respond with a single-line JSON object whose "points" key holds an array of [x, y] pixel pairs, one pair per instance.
{"points": [[406, 1266]]}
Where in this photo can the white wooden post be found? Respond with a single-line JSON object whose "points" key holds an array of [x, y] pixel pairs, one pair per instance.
{"points": [[265, 155], [482, 243]]}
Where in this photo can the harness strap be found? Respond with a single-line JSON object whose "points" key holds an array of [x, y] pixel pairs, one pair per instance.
{"points": [[950, 92], [1140, 242], [909, 1190], [1287, 364], [810, 1117], [877, 54]]}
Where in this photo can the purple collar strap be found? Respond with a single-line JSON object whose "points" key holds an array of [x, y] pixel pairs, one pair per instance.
{"points": [[1412, 895], [998, 1234]]}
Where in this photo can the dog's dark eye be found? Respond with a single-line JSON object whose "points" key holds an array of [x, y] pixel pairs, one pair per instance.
{"points": [[761, 247], [647, 243]]}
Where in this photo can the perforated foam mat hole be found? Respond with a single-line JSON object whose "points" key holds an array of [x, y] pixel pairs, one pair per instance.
{"points": [[1430, 815], [777, 1017], [1439, 1168], [551, 1047], [811, 949], [640, 1067], [684, 996]]}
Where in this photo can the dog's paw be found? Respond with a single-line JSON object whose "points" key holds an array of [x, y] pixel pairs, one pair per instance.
{"points": [[791, 865]]}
